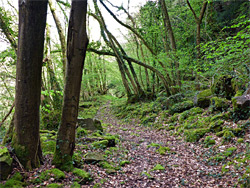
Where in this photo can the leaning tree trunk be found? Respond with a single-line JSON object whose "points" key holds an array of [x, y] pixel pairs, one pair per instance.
{"points": [[76, 51], [32, 21]]}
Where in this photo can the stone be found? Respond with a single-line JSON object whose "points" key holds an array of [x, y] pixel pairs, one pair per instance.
{"points": [[5, 163], [90, 124], [241, 105], [93, 157], [223, 87], [202, 99]]}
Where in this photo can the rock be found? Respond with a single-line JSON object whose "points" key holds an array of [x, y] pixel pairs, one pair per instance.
{"points": [[5, 163], [220, 104], [223, 87], [90, 124], [93, 157], [181, 107], [241, 105], [202, 99]]}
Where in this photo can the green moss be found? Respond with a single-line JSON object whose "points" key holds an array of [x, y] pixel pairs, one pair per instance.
{"points": [[14, 182], [203, 98], [55, 173], [157, 167], [228, 135], [216, 126], [193, 111], [148, 175], [194, 135], [5, 156], [229, 151], [75, 185], [48, 146], [55, 185], [220, 104], [163, 150], [240, 140], [180, 107], [217, 158], [123, 163], [77, 159], [80, 132], [100, 144], [83, 175], [63, 162], [209, 141], [153, 145]]}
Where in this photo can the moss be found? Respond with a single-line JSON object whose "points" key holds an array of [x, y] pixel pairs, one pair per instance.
{"points": [[163, 150], [55, 173], [100, 144], [123, 163], [77, 159], [180, 107], [216, 126], [80, 132], [48, 146], [194, 135], [220, 104], [83, 175], [148, 175], [63, 162], [75, 185], [5, 156], [153, 145], [223, 87], [55, 185], [217, 158], [203, 98], [108, 166], [209, 141], [229, 151], [228, 135], [14, 182], [240, 140], [193, 111], [157, 167]]}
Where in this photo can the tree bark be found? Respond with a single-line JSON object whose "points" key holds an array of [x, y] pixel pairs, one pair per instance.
{"points": [[32, 22], [76, 51]]}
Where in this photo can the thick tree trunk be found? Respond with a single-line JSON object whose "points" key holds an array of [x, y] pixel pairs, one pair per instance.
{"points": [[76, 51], [32, 21]]}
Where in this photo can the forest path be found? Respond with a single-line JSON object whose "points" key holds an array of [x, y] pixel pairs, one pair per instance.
{"points": [[184, 166]]}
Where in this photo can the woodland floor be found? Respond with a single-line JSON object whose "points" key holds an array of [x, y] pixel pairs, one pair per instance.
{"points": [[185, 165]]}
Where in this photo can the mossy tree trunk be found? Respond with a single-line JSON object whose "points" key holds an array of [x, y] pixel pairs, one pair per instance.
{"points": [[76, 51], [32, 22]]}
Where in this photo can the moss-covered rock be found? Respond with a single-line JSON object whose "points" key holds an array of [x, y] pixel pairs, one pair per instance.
{"points": [[223, 87], [93, 157], [90, 124], [192, 112], [228, 135], [194, 135], [83, 175], [14, 182], [100, 144], [216, 126], [202, 99], [180, 107], [55, 173], [80, 132], [5, 163], [220, 104]]}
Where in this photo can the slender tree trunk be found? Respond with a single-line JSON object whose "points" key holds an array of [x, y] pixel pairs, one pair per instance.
{"points": [[76, 52], [32, 22], [61, 35], [198, 21]]}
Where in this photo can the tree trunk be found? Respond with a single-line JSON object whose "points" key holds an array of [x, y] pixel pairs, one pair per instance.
{"points": [[61, 35], [32, 22], [76, 52]]}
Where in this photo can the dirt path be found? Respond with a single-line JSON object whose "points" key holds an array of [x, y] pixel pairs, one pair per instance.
{"points": [[184, 166]]}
